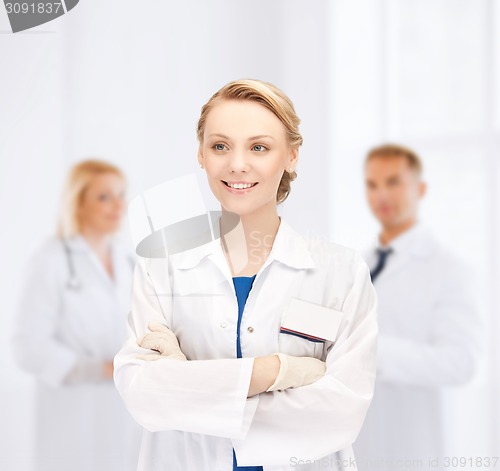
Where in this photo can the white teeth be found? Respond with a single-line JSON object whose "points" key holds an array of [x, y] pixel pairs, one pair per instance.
{"points": [[240, 186]]}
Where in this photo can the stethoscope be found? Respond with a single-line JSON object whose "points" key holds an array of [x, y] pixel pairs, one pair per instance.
{"points": [[73, 282]]}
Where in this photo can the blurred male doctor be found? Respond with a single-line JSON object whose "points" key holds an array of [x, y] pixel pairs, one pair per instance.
{"points": [[428, 326]]}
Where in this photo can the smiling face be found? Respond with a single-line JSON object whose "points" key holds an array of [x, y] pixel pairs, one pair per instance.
{"points": [[393, 189], [103, 203], [245, 151]]}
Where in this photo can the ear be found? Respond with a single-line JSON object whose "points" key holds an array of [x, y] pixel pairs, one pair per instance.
{"points": [[201, 159], [294, 157], [422, 189]]}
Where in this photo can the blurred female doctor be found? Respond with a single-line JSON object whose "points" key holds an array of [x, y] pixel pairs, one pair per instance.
{"points": [[70, 322], [263, 340]]}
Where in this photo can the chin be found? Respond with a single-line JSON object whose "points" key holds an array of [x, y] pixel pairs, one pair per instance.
{"points": [[111, 229], [239, 209]]}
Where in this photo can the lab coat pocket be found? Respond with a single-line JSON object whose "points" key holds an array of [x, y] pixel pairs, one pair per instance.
{"points": [[293, 344], [306, 328]]}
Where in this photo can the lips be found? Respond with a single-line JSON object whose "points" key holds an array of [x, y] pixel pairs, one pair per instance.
{"points": [[239, 191]]}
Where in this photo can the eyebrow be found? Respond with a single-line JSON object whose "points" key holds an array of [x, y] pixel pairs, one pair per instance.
{"points": [[250, 138]]}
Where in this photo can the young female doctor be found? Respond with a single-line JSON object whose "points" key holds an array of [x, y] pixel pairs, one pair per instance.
{"points": [[264, 339], [69, 325]]}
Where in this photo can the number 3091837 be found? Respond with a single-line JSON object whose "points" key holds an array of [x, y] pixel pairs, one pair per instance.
{"points": [[33, 7]]}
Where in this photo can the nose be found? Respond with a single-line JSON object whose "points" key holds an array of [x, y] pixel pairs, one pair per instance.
{"points": [[383, 193], [381, 198], [238, 161]]}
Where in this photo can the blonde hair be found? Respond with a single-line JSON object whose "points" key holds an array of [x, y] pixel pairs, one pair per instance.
{"points": [[274, 100], [397, 150], [78, 180]]}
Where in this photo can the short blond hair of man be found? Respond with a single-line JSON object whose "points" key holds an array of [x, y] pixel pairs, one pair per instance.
{"points": [[397, 150]]}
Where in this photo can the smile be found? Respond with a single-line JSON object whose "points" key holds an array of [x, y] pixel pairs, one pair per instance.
{"points": [[239, 187]]}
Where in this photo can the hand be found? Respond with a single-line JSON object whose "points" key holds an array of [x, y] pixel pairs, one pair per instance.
{"points": [[107, 370], [264, 373], [163, 342], [297, 371]]}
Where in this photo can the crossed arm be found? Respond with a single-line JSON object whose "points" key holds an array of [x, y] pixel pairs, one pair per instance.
{"points": [[269, 373]]}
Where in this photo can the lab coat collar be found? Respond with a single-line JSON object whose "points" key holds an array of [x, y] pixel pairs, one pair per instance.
{"points": [[78, 243], [416, 241], [289, 247]]}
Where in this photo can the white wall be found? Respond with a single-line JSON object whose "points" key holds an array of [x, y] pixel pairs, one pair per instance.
{"points": [[125, 81], [32, 163]]}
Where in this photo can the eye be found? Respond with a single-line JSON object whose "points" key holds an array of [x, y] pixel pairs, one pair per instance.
{"points": [[259, 148], [103, 197], [219, 147]]}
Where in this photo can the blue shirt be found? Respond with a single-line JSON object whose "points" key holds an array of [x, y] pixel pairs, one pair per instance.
{"points": [[242, 286]]}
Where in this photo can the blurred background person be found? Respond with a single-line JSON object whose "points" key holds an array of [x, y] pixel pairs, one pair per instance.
{"points": [[70, 322], [427, 319]]}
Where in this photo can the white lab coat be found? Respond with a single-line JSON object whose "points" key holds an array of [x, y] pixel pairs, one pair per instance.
{"points": [[82, 426], [195, 412], [428, 340]]}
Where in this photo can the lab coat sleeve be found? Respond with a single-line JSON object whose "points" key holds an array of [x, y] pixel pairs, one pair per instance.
{"points": [[35, 346], [200, 396], [314, 421], [451, 355]]}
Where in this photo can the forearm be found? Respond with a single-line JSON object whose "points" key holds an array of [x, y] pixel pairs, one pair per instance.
{"points": [[264, 373], [90, 370], [173, 395]]}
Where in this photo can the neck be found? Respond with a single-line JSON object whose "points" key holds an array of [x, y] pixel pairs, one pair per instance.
{"points": [[389, 233], [98, 241], [254, 233]]}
